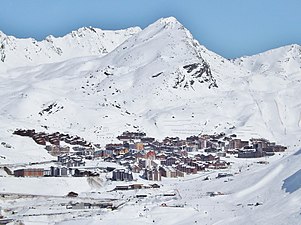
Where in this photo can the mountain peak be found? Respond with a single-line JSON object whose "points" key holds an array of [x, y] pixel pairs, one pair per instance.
{"points": [[87, 29], [168, 20], [295, 46]]}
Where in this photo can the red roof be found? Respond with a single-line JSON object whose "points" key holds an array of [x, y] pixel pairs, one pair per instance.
{"points": [[150, 154]]}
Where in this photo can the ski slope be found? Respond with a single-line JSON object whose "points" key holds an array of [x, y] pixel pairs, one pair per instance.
{"points": [[162, 81]]}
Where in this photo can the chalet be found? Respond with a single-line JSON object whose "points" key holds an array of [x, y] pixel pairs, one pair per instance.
{"points": [[84, 151], [99, 154], [118, 149], [275, 148], [218, 165], [121, 188], [47, 172], [39, 139], [249, 153], [161, 156], [58, 171], [29, 172], [141, 196], [131, 136], [203, 142], [211, 149], [135, 168], [150, 155], [83, 205], [221, 154], [72, 194], [152, 174], [237, 144], [155, 185], [71, 160], [24, 133], [130, 158], [232, 151], [211, 144], [192, 139], [186, 168], [198, 165], [142, 163], [147, 140], [171, 141], [206, 157], [139, 155], [136, 186], [221, 175], [114, 147], [122, 175], [221, 144], [170, 161], [56, 150], [183, 153], [55, 139], [169, 194], [139, 146], [191, 148], [168, 171], [260, 143], [85, 173]]}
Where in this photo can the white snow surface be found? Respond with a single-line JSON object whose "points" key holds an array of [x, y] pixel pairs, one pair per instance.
{"points": [[85, 41], [163, 82], [258, 194]]}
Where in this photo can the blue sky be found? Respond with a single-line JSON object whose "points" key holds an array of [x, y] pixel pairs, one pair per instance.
{"points": [[231, 28]]}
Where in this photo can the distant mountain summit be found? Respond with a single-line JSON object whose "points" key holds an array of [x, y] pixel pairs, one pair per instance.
{"points": [[281, 61], [86, 41], [164, 49]]}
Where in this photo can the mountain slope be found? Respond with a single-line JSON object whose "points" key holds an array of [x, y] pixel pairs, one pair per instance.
{"points": [[284, 61], [161, 81], [275, 76]]}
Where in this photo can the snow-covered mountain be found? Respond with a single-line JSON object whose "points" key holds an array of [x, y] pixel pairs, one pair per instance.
{"points": [[284, 61], [159, 80], [85, 41]]}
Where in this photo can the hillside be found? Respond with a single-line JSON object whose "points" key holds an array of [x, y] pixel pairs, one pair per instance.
{"points": [[97, 84], [161, 81]]}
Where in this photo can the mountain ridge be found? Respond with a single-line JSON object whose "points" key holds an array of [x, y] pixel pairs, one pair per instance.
{"points": [[85, 41], [163, 82], [284, 60], [159, 80]]}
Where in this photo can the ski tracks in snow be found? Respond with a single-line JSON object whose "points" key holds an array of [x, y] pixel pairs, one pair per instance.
{"points": [[280, 118], [261, 183]]}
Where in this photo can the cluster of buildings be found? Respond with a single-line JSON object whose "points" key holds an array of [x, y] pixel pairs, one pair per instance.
{"points": [[154, 165], [53, 142], [67, 164], [70, 156], [259, 147], [175, 157], [152, 159]]}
